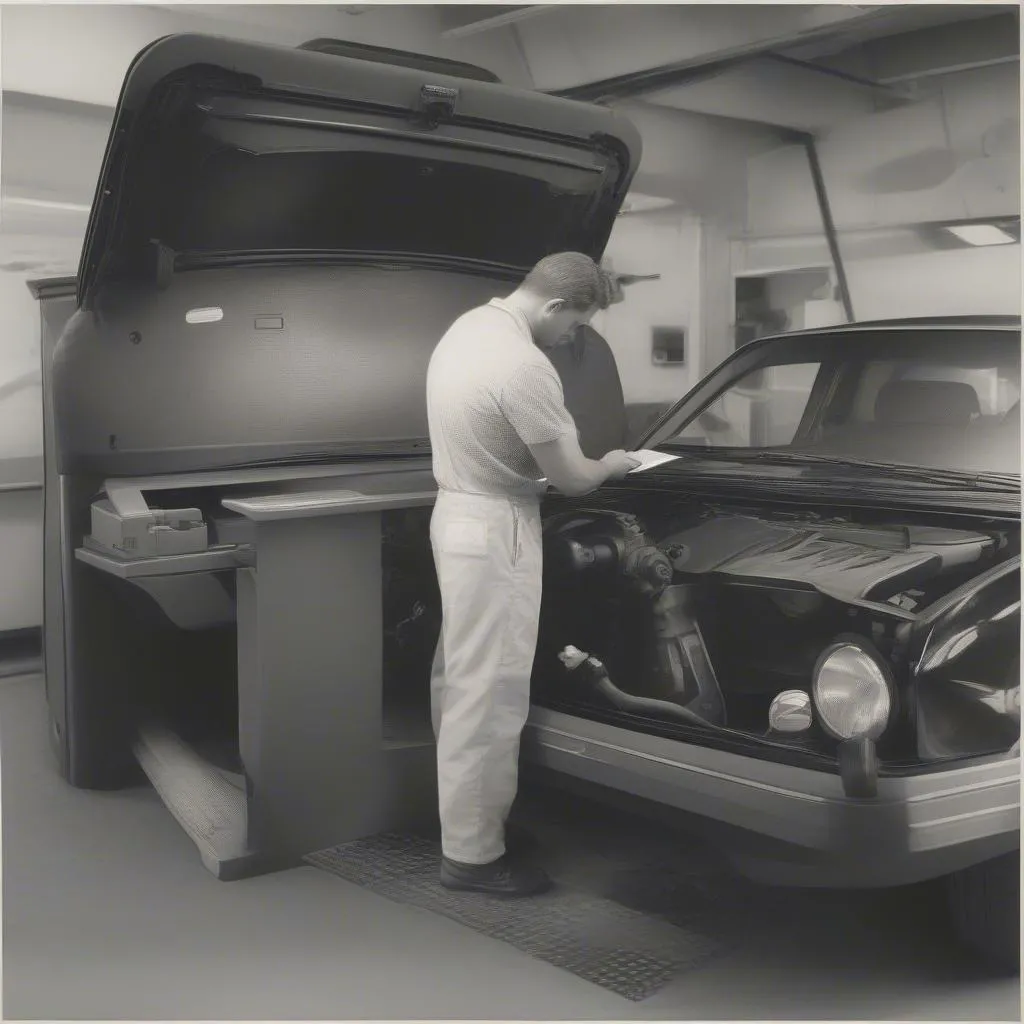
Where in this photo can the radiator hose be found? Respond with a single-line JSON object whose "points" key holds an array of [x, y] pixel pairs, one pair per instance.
{"points": [[595, 676]]}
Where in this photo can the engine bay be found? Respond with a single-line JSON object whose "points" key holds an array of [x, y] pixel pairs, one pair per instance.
{"points": [[687, 618]]}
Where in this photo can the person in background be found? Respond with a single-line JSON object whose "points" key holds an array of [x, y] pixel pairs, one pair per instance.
{"points": [[590, 379], [593, 391], [498, 428]]}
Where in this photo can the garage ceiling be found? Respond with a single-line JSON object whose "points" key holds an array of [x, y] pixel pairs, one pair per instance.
{"points": [[803, 67], [807, 67]]}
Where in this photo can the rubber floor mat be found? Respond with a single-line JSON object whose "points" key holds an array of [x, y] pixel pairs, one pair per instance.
{"points": [[631, 953]]}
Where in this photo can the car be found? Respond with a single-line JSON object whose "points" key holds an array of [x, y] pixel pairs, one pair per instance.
{"points": [[801, 623], [800, 627], [797, 631]]}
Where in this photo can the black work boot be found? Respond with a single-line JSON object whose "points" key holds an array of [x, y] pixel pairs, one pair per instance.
{"points": [[502, 877]]}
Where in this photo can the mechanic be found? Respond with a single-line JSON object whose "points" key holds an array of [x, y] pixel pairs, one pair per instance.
{"points": [[498, 424]]}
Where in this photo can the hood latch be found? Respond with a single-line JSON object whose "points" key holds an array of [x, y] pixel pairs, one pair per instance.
{"points": [[437, 104]]}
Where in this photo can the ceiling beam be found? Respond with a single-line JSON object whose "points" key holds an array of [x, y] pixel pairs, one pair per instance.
{"points": [[463, 20], [887, 90], [936, 50], [639, 83]]}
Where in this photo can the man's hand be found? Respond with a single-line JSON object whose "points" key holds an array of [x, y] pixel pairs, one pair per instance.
{"points": [[619, 463], [566, 467]]}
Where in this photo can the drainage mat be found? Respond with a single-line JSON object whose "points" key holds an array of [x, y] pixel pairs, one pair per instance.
{"points": [[631, 953]]}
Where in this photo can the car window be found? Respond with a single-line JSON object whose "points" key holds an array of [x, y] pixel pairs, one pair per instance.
{"points": [[942, 399], [996, 389], [762, 409]]}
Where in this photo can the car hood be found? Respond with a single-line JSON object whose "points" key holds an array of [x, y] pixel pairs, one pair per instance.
{"points": [[229, 151], [823, 483]]}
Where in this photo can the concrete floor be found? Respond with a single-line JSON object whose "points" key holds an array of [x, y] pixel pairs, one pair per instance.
{"points": [[109, 915]]}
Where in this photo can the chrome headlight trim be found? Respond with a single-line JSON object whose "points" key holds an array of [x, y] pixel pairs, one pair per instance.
{"points": [[872, 671]]}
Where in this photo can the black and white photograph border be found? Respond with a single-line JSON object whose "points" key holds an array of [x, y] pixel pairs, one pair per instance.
{"points": [[510, 512]]}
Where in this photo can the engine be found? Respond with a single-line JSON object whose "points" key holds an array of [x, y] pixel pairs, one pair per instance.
{"points": [[719, 619]]}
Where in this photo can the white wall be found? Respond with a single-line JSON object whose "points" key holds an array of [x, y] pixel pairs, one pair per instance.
{"points": [[21, 417], [697, 160], [21, 452], [700, 163], [666, 243], [947, 282]]}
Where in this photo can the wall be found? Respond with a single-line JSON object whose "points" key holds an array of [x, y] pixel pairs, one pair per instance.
{"points": [[21, 418], [666, 243], [698, 162], [21, 452], [900, 272], [980, 280]]}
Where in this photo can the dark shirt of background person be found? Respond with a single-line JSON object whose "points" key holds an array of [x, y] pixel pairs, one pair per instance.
{"points": [[593, 391]]}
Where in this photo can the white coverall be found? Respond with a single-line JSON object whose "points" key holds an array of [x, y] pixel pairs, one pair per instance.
{"points": [[490, 393]]}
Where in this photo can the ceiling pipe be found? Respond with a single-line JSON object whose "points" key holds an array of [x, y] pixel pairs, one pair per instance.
{"points": [[828, 224]]}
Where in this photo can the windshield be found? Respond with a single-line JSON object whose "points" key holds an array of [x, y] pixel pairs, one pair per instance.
{"points": [[937, 399]]}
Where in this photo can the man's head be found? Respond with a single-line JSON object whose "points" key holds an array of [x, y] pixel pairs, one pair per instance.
{"points": [[562, 292]]}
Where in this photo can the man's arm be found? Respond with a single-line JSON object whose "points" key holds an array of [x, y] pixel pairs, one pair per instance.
{"points": [[532, 402], [566, 467]]}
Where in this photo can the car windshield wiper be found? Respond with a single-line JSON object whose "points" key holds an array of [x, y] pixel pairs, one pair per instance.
{"points": [[895, 471]]}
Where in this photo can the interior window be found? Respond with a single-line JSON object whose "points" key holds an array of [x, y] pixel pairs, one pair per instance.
{"points": [[995, 390], [762, 409]]}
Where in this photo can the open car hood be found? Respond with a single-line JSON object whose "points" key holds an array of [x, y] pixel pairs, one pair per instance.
{"points": [[226, 153]]}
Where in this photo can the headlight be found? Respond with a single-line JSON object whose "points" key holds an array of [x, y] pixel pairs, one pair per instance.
{"points": [[852, 692]]}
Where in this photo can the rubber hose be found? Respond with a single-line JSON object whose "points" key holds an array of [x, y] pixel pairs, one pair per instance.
{"points": [[630, 702]]}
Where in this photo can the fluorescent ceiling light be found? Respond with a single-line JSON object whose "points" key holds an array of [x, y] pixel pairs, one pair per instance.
{"points": [[635, 202], [981, 234], [44, 204]]}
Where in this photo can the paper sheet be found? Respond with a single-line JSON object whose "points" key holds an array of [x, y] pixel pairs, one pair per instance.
{"points": [[649, 459]]}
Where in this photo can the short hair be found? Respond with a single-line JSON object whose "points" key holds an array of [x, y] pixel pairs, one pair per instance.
{"points": [[572, 277]]}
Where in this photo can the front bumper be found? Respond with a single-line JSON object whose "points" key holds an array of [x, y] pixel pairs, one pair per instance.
{"points": [[794, 826]]}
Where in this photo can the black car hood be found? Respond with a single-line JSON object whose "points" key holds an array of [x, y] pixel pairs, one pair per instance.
{"points": [[820, 483], [230, 150]]}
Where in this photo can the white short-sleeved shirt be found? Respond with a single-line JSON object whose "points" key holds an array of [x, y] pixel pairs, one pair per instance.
{"points": [[491, 392]]}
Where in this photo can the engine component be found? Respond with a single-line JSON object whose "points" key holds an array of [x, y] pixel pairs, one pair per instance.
{"points": [[791, 712], [682, 658], [593, 673], [615, 541], [852, 692]]}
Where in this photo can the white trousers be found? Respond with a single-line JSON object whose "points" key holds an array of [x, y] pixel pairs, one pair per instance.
{"points": [[487, 551]]}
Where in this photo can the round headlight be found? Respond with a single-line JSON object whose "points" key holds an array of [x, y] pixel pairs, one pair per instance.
{"points": [[851, 692]]}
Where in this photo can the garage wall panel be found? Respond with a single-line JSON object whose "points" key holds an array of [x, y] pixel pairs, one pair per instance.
{"points": [[665, 243], [52, 149], [697, 160], [21, 456], [955, 281]]}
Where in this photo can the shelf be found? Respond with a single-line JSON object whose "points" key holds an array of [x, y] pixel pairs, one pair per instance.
{"points": [[213, 560], [312, 504]]}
